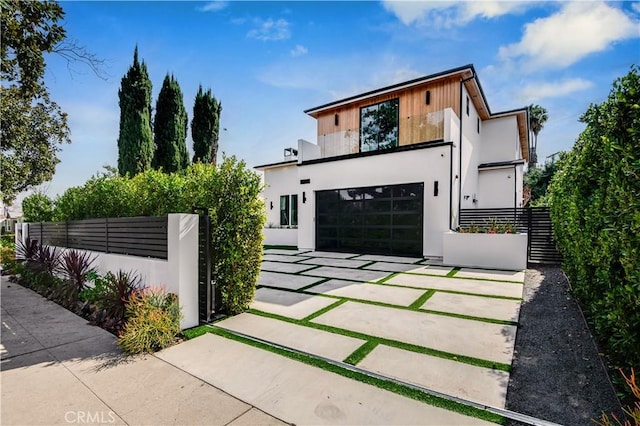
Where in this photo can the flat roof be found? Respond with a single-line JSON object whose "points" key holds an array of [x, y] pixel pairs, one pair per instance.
{"points": [[275, 165]]}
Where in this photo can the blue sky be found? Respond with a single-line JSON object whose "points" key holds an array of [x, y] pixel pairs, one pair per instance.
{"points": [[268, 61]]}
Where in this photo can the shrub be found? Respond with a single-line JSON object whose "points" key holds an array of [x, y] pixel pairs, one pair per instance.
{"points": [[153, 322], [37, 208], [230, 193], [75, 267], [595, 209], [113, 302]]}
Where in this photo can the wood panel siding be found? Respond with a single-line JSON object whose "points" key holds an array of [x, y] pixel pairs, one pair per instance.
{"points": [[418, 122]]}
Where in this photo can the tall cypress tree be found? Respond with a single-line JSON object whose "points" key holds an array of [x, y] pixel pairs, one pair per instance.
{"points": [[135, 141], [170, 128], [205, 127]]}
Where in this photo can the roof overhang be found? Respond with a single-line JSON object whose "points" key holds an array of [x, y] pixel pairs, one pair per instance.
{"points": [[276, 165], [500, 165], [463, 72]]}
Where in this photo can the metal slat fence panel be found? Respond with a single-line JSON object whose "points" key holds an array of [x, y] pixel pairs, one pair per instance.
{"points": [[135, 236], [536, 221]]}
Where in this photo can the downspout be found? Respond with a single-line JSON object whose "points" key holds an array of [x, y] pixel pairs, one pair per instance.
{"points": [[460, 146], [450, 185], [515, 188]]}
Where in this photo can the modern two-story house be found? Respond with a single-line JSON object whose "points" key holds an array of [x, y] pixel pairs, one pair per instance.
{"points": [[392, 168]]}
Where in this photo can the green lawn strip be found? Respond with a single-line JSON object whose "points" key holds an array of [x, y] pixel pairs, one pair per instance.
{"points": [[468, 317], [366, 264], [302, 289], [311, 268], [389, 342], [322, 311], [452, 272], [387, 278], [359, 354], [363, 378], [420, 300], [491, 296], [267, 247], [415, 306]]}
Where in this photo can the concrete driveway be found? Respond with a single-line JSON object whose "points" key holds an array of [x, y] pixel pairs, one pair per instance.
{"points": [[451, 330]]}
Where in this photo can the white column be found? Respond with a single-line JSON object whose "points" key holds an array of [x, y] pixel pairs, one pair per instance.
{"points": [[183, 264]]}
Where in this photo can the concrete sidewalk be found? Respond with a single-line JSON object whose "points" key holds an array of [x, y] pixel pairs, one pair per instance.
{"points": [[57, 369]]}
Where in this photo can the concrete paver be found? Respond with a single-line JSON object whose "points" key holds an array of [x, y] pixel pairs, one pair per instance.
{"points": [[282, 258], [347, 274], [475, 306], [381, 258], [341, 263], [491, 274], [433, 270], [289, 304], [292, 282], [297, 392], [284, 251], [489, 288], [478, 384], [492, 342], [391, 267], [317, 342], [289, 268], [335, 255], [373, 292]]}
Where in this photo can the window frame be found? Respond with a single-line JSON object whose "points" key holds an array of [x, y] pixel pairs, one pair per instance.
{"points": [[284, 212], [397, 121]]}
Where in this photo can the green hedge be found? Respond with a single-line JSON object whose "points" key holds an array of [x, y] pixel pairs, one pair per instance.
{"points": [[595, 208], [230, 192]]}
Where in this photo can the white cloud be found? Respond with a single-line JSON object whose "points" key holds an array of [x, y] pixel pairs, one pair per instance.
{"points": [[446, 14], [577, 30], [214, 6], [536, 91], [299, 50], [270, 30]]}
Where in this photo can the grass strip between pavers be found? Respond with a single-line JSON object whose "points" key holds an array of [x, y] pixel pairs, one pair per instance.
{"points": [[420, 300], [415, 306], [359, 354], [366, 264], [322, 311], [384, 341], [452, 272], [361, 377], [466, 293], [267, 247]]}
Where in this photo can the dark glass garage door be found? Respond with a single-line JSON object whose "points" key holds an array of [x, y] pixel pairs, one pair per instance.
{"points": [[377, 219]]}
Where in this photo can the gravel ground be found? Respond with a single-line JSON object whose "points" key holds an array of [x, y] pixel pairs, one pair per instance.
{"points": [[557, 374]]}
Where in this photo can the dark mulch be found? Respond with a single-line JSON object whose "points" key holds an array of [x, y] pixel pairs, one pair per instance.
{"points": [[557, 374]]}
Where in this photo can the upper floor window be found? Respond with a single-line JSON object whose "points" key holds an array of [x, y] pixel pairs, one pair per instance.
{"points": [[379, 126]]}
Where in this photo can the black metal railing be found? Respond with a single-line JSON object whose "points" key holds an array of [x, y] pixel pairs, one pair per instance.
{"points": [[535, 221]]}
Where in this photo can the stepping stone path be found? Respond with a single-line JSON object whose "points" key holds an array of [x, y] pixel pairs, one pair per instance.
{"points": [[459, 322]]}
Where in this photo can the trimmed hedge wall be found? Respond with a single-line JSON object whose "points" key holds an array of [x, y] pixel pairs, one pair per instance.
{"points": [[230, 192], [595, 208]]}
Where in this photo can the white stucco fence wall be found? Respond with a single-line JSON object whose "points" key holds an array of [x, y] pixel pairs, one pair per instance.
{"points": [[281, 237], [495, 251], [177, 274]]}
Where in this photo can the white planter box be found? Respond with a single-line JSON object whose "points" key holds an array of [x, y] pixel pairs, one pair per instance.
{"points": [[281, 237], [497, 251]]}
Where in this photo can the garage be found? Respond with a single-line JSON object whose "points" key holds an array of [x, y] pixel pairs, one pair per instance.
{"points": [[378, 219]]}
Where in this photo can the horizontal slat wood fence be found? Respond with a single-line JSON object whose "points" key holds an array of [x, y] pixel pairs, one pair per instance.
{"points": [[535, 221], [135, 236]]}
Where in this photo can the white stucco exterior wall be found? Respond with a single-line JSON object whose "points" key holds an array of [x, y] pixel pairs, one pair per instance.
{"points": [[500, 140], [414, 166], [471, 148], [497, 188], [279, 180]]}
